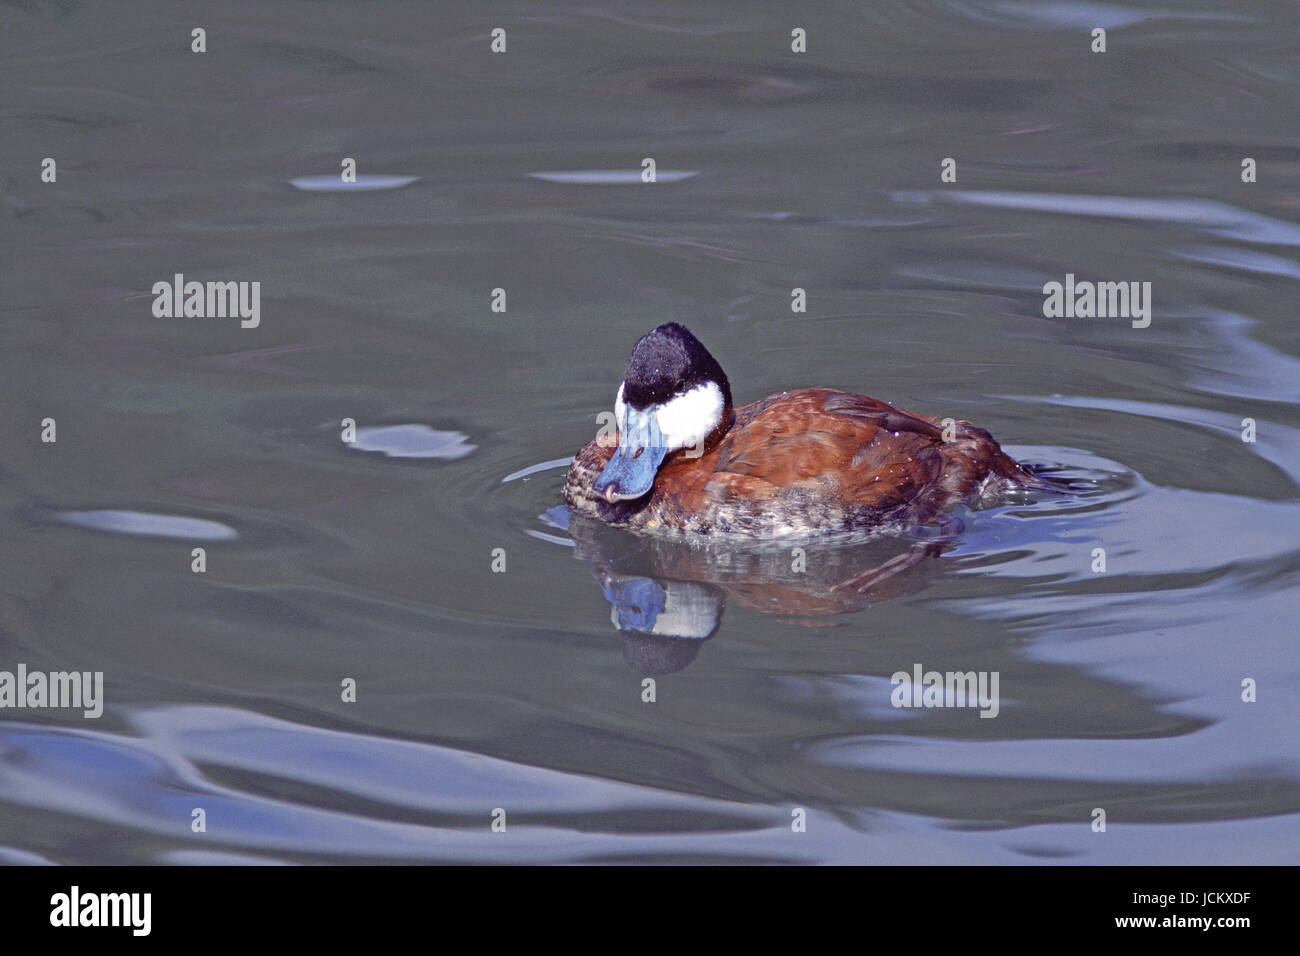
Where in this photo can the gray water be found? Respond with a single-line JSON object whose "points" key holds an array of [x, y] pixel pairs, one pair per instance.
{"points": [[479, 690]]}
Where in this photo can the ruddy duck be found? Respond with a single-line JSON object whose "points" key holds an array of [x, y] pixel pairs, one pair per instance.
{"points": [[812, 462]]}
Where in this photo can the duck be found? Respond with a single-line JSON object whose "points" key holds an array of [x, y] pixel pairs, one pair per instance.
{"points": [[807, 463]]}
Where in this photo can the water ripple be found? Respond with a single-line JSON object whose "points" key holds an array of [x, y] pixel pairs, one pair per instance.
{"points": [[1204, 214], [364, 183], [413, 441], [611, 177], [144, 523]]}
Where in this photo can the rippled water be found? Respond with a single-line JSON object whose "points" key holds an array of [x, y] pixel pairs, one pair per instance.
{"points": [[522, 690]]}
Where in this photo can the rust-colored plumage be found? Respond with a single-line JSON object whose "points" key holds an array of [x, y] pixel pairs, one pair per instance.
{"points": [[806, 462]]}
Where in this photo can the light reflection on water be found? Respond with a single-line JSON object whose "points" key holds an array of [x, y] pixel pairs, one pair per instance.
{"points": [[523, 689]]}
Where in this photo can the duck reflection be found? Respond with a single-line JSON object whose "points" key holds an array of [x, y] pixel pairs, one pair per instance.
{"points": [[667, 595]]}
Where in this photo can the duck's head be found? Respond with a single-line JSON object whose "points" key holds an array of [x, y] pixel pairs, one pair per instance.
{"points": [[674, 396]]}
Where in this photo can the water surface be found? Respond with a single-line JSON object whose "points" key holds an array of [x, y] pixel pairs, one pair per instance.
{"points": [[374, 560]]}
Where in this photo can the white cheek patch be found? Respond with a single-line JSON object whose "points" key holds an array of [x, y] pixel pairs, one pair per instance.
{"points": [[620, 410], [686, 420]]}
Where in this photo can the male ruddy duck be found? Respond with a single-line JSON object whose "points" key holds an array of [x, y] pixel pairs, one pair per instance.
{"points": [[811, 462]]}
